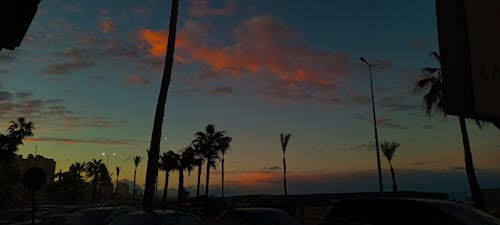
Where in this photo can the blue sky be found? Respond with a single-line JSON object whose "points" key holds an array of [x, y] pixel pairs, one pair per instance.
{"points": [[88, 74]]}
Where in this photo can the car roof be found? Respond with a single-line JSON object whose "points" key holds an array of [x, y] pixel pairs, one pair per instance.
{"points": [[255, 209]]}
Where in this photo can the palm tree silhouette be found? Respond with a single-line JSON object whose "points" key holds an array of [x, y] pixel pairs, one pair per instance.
{"points": [[198, 161], [168, 161], [284, 142], [433, 99], [223, 146], [16, 132], [77, 168], [186, 162], [92, 170], [388, 148], [117, 176], [208, 142], [137, 160], [154, 148]]}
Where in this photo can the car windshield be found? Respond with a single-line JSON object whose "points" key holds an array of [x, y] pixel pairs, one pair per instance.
{"points": [[468, 215]]}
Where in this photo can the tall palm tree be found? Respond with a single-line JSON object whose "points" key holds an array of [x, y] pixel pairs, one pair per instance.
{"points": [[16, 132], [432, 82], [137, 160], [168, 161], [154, 148], [388, 148], [207, 141], [77, 168], [186, 162], [284, 142], [223, 146]]}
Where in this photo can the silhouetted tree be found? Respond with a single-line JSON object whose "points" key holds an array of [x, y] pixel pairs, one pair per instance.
{"points": [[137, 160], [198, 161], [16, 132], [433, 99], [186, 162], [98, 173], [77, 169], [388, 148], [168, 161], [223, 146], [208, 142], [117, 178], [154, 149], [284, 142]]}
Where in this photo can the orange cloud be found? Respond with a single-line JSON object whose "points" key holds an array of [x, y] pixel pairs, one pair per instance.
{"points": [[107, 25], [260, 47]]}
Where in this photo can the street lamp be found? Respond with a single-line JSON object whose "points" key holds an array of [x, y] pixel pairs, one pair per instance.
{"points": [[107, 157], [380, 183]]}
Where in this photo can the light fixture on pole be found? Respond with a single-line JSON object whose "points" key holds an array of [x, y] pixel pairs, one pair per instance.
{"points": [[380, 183], [107, 157]]}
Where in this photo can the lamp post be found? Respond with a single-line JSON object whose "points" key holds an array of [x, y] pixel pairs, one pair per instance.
{"points": [[380, 183], [107, 157]]}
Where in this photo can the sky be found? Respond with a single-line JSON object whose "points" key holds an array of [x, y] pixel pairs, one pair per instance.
{"points": [[88, 74]]}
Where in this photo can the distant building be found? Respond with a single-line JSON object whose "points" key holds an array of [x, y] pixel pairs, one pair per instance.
{"points": [[46, 164], [123, 188]]}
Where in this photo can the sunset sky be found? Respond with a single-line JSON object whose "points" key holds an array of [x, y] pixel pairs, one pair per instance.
{"points": [[88, 74]]}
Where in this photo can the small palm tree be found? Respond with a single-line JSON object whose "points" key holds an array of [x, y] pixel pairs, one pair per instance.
{"points": [[137, 160], [186, 162], [117, 177], [198, 161], [284, 142], [432, 82], [223, 146], [388, 148], [168, 161]]}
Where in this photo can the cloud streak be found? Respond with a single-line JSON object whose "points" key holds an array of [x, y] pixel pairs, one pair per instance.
{"points": [[100, 141]]}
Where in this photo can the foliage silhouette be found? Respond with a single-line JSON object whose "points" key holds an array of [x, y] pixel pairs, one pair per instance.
{"points": [[137, 160], [433, 100], [388, 148], [168, 161], [284, 142]]}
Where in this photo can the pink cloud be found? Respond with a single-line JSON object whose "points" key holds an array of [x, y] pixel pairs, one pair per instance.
{"points": [[200, 8], [136, 80]]}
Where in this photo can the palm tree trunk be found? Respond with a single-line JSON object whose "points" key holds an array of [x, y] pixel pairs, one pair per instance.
{"points": [[393, 174], [475, 190], [284, 174], [133, 192], [94, 192], [154, 149], [208, 177], [78, 190], [222, 175], [180, 190], [198, 184], [99, 194], [165, 190]]}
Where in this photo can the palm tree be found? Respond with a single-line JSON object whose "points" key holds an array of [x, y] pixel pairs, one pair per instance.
{"points": [[21, 129], [284, 142], [432, 82], [117, 176], [223, 146], [168, 161], [92, 169], [154, 149], [198, 161], [77, 168], [186, 162], [388, 148], [208, 142], [137, 160]]}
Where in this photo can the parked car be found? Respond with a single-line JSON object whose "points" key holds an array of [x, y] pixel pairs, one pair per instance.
{"points": [[91, 216], [398, 211], [119, 212], [256, 216], [167, 217]]}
